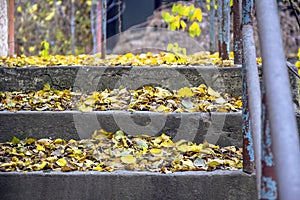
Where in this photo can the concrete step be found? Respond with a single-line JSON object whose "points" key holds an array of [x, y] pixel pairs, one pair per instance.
{"points": [[223, 129], [222, 79], [100, 78], [231, 185], [218, 128]]}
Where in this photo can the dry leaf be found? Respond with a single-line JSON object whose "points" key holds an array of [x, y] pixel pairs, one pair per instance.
{"points": [[185, 92]]}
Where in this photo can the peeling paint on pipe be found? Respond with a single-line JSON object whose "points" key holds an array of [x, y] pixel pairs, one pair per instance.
{"points": [[247, 11], [220, 19], [254, 95], [251, 92], [281, 116], [237, 32], [225, 29], [248, 155], [268, 188]]}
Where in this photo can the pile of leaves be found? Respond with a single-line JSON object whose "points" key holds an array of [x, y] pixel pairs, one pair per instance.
{"points": [[148, 98], [129, 59], [107, 151]]}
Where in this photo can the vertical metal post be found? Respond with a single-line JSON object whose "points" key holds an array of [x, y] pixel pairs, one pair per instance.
{"points": [[119, 16], [98, 26], [268, 179], [280, 113], [73, 26], [252, 95], [225, 29], [212, 33], [94, 27], [237, 32], [248, 152], [220, 20], [11, 27], [3, 28], [103, 33]]}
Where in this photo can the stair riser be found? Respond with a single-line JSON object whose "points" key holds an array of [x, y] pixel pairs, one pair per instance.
{"points": [[99, 78], [128, 185], [218, 128], [223, 129]]}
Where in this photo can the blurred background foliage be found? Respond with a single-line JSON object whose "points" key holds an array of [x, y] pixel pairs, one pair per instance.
{"points": [[50, 20]]}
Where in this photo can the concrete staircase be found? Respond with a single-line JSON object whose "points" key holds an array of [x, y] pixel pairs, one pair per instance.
{"points": [[218, 128]]}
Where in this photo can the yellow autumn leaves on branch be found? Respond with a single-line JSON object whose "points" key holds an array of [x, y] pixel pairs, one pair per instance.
{"points": [[181, 15]]}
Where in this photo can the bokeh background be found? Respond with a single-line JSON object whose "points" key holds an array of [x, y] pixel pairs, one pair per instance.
{"points": [[69, 25]]}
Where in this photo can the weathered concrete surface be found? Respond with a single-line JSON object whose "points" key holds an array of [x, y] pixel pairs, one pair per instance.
{"points": [[99, 78], [227, 185], [223, 129], [218, 128], [226, 79]]}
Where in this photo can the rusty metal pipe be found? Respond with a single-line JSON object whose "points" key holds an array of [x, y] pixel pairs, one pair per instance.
{"points": [[212, 33], [248, 151], [269, 187], [254, 96], [252, 90], [99, 26], [103, 28], [225, 30], [237, 32], [220, 19], [285, 139], [248, 154], [11, 28]]}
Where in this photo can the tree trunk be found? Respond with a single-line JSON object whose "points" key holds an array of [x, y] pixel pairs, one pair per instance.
{"points": [[3, 28]]}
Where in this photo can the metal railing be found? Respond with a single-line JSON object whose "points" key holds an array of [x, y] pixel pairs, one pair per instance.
{"points": [[281, 135], [270, 135], [251, 98]]}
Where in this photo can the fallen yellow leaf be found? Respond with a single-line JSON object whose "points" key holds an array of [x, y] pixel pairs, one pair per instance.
{"points": [[128, 159], [185, 92], [155, 151], [40, 147], [61, 162]]}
